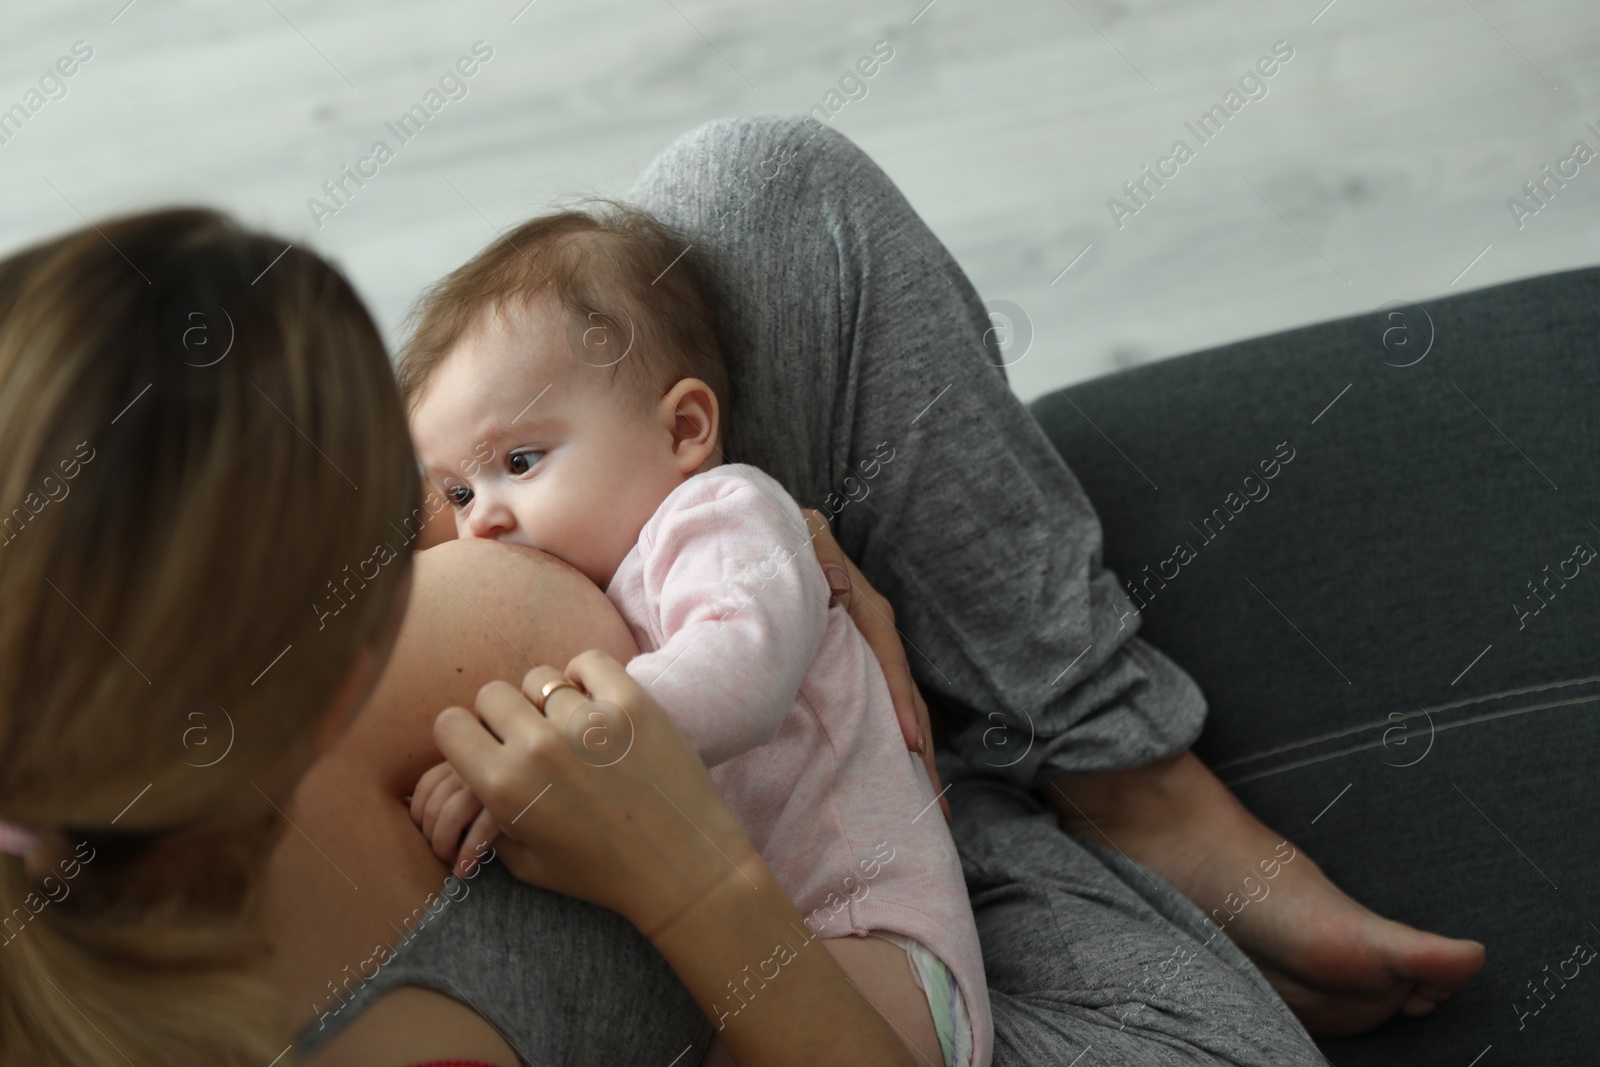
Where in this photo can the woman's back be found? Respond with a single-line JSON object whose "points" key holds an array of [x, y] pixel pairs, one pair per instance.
{"points": [[538, 966]]}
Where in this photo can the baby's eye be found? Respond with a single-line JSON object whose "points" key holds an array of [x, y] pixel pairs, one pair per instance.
{"points": [[459, 496], [522, 460]]}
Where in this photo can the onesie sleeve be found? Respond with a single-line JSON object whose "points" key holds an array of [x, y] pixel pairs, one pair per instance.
{"points": [[743, 606]]}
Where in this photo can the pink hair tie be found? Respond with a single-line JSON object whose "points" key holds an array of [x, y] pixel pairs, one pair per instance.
{"points": [[15, 840]]}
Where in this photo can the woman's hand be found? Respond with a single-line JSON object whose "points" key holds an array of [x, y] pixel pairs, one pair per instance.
{"points": [[601, 797], [874, 617]]}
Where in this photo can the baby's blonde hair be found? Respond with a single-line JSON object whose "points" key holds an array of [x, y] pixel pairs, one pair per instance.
{"points": [[199, 429]]}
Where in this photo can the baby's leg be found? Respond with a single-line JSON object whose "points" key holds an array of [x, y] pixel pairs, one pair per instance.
{"points": [[881, 971]]}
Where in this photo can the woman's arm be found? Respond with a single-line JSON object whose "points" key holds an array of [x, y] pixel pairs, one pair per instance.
{"points": [[874, 617], [648, 836], [809, 1013]]}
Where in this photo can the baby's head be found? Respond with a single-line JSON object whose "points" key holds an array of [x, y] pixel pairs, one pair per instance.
{"points": [[564, 381]]}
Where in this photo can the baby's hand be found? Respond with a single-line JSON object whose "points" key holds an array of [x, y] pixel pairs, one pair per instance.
{"points": [[444, 808]]}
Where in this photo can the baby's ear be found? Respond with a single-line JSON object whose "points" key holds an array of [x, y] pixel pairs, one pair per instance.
{"points": [[696, 423]]}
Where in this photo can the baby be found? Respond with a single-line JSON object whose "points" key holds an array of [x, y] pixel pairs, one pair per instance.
{"points": [[566, 392]]}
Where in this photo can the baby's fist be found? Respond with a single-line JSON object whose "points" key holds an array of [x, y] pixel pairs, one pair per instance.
{"points": [[444, 808]]}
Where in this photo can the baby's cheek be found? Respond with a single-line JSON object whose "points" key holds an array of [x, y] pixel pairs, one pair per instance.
{"points": [[605, 538], [604, 541]]}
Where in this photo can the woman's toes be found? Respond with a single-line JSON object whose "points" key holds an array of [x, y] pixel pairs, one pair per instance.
{"points": [[1444, 965]]}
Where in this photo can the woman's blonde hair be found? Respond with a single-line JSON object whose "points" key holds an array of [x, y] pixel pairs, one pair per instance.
{"points": [[202, 448]]}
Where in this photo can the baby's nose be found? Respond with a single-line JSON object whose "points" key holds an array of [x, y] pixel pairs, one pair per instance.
{"points": [[490, 523]]}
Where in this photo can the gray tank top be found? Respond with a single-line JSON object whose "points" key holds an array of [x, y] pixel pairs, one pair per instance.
{"points": [[564, 981]]}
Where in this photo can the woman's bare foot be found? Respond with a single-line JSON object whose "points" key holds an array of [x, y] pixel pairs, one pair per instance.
{"points": [[1340, 967]]}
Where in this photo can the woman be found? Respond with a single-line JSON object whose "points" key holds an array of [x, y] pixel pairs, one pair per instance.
{"points": [[184, 406]]}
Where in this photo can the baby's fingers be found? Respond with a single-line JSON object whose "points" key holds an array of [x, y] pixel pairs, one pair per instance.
{"points": [[475, 847], [431, 779], [454, 817], [434, 806]]}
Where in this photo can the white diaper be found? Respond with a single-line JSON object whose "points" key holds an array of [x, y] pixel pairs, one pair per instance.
{"points": [[944, 999]]}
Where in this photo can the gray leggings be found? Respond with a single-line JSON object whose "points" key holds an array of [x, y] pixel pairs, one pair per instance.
{"points": [[1399, 677], [851, 332]]}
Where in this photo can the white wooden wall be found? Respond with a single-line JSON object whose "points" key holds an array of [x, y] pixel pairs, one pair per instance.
{"points": [[1377, 167]]}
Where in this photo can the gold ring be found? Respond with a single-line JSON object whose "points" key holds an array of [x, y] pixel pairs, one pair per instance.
{"points": [[550, 687]]}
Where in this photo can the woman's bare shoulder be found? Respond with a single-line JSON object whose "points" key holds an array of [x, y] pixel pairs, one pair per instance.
{"points": [[480, 610]]}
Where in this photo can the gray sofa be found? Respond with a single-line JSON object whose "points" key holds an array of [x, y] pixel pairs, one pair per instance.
{"points": [[1398, 626]]}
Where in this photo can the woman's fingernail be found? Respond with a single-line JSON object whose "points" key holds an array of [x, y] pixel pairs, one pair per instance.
{"points": [[838, 581]]}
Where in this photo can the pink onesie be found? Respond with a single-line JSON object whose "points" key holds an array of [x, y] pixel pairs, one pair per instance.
{"points": [[784, 700]]}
